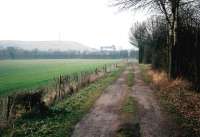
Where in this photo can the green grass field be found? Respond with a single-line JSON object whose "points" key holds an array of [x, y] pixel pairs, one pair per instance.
{"points": [[61, 116], [21, 74]]}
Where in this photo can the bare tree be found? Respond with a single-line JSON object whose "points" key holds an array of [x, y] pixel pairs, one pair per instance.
{"points": [[170, 9], [137, 37]]}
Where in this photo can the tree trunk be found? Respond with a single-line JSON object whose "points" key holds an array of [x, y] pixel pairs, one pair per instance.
{"points": [[140, 54], [173, 39]]}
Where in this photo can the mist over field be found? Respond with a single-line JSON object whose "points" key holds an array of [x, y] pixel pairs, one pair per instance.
{"points": [[46, 45]]}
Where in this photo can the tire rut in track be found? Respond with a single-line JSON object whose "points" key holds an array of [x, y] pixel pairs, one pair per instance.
{"points": [[103, 119], [153, 122]]}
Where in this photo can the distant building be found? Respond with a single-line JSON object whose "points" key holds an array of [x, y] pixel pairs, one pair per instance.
{"points": [[108, 48]]}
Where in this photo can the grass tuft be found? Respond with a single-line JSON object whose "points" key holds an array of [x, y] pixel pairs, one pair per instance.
{"points": [[129, 116], [130, 81], [144, 73]]}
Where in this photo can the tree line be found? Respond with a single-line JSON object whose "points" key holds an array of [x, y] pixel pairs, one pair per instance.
{"points": [[170, 39], [18, 53]]}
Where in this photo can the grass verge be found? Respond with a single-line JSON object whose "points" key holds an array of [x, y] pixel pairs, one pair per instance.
{"points": [[63, 116], [180, 104], [185, 127]]}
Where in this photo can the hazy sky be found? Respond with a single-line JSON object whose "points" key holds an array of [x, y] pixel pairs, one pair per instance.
{"points": [[91, 22]]}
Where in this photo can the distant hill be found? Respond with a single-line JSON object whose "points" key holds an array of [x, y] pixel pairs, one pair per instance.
{"points": [[46, 45]]}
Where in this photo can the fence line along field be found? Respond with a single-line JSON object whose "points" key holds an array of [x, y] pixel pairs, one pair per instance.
{"points": [[21, 74]]}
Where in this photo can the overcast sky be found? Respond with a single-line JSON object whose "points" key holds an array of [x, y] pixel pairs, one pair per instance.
{"points": [[90, 22]]}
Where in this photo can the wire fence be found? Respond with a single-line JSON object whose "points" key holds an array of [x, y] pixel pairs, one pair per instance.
{"points": [[38, 100]]}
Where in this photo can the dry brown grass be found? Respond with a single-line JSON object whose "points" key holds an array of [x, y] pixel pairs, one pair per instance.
{"points": [[178, 93]]}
